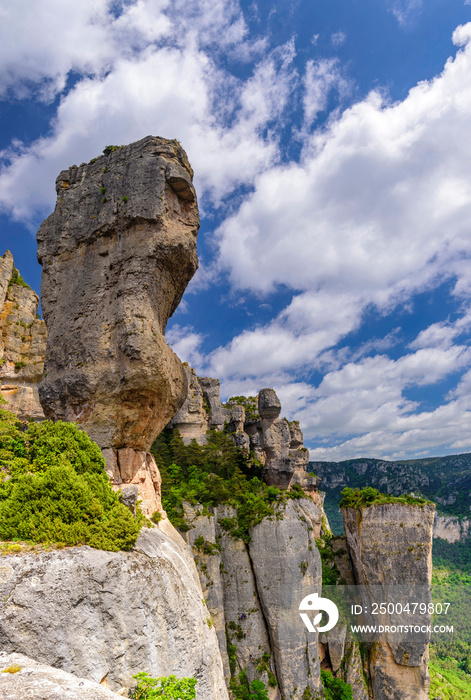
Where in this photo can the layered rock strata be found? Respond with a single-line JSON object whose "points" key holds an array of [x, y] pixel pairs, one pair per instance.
{"points": [[390, 547], [253, 591], [117, 255], [257, 429], [22, 343], [109, 615]]}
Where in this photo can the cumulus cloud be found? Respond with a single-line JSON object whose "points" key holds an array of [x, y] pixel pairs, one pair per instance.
{"points": [[151, 69], [186, 343], [377, 210]]}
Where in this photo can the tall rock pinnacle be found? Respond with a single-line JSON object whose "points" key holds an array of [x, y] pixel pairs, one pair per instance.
{"points": [[117, 254]]}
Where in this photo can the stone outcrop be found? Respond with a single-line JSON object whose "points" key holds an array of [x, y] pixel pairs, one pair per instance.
{"points": [[21, 677], [390, 546], [117, 255], [109, 615], [257, 429], [22, 343], [253, 591], [451, 529]]}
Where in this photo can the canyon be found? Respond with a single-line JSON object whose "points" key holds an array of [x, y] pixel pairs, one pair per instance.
{"points": [[117, 255]]}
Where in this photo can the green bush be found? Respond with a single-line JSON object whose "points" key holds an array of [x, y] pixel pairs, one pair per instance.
{"points": [[54, 488], [361, 498], [241, 689], [213, 474], [16, 278], [335, 688], [164, 687]]}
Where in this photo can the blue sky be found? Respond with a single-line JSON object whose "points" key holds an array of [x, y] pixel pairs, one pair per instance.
{"points": [[330, 143]]}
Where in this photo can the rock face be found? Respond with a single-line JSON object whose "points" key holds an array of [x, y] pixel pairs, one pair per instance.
{"points": [[451, 529], [253, 591], [117, 255], [37, 681], [22, 343], [112, 614], [256, 426], [390, 545]]}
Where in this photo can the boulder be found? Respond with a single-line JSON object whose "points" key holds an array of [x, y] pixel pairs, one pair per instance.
{"points": [[110, 615], [21, 677]]}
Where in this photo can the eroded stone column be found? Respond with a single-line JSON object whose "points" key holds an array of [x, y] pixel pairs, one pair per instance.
{"points": [[117, 255]]}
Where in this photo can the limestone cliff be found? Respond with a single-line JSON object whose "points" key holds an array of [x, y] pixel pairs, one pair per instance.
{"points": [[253, 590], [451, 529], [22, 343], [390, 545], [117, 255], [256, 427], [109, 615]]}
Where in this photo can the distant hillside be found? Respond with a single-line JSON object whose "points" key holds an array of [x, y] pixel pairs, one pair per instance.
{"points": [[444, 480]]}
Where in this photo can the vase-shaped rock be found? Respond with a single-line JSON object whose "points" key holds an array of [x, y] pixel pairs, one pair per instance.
{"points": [[117, 255]]}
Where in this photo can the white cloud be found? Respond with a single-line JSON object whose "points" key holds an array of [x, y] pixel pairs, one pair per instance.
{"points": [[403, 10], [320, 79], [169, 85], [337, 39], [186, 343], [379, 208]]}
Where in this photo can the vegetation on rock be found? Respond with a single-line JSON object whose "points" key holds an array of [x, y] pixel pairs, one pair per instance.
{"points": [[242, 690], [361, 498], [16, 278], [213, 474], [164, 687], [335, 688], [250, 403], [54, 488]]}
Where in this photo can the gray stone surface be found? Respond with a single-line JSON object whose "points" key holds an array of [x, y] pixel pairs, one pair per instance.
{"points": [[245, 621], [35, 681], [269, 405], [113, 614], [451, 529], [390, 546], [192, 420], [117, 255], [287, 568]]}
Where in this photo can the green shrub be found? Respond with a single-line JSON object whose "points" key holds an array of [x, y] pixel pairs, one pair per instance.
{"points": [[243, 691], [164, 687], [335, 688], [361, 498], [16, 278], [54, 488], [213, 474]]}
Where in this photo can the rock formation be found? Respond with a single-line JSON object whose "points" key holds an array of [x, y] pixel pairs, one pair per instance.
{"points": [[117, 255], [253, 593], [22, 343], [451, 529], [257, 429], [21, 677], [112, 614], [390, 546]]}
